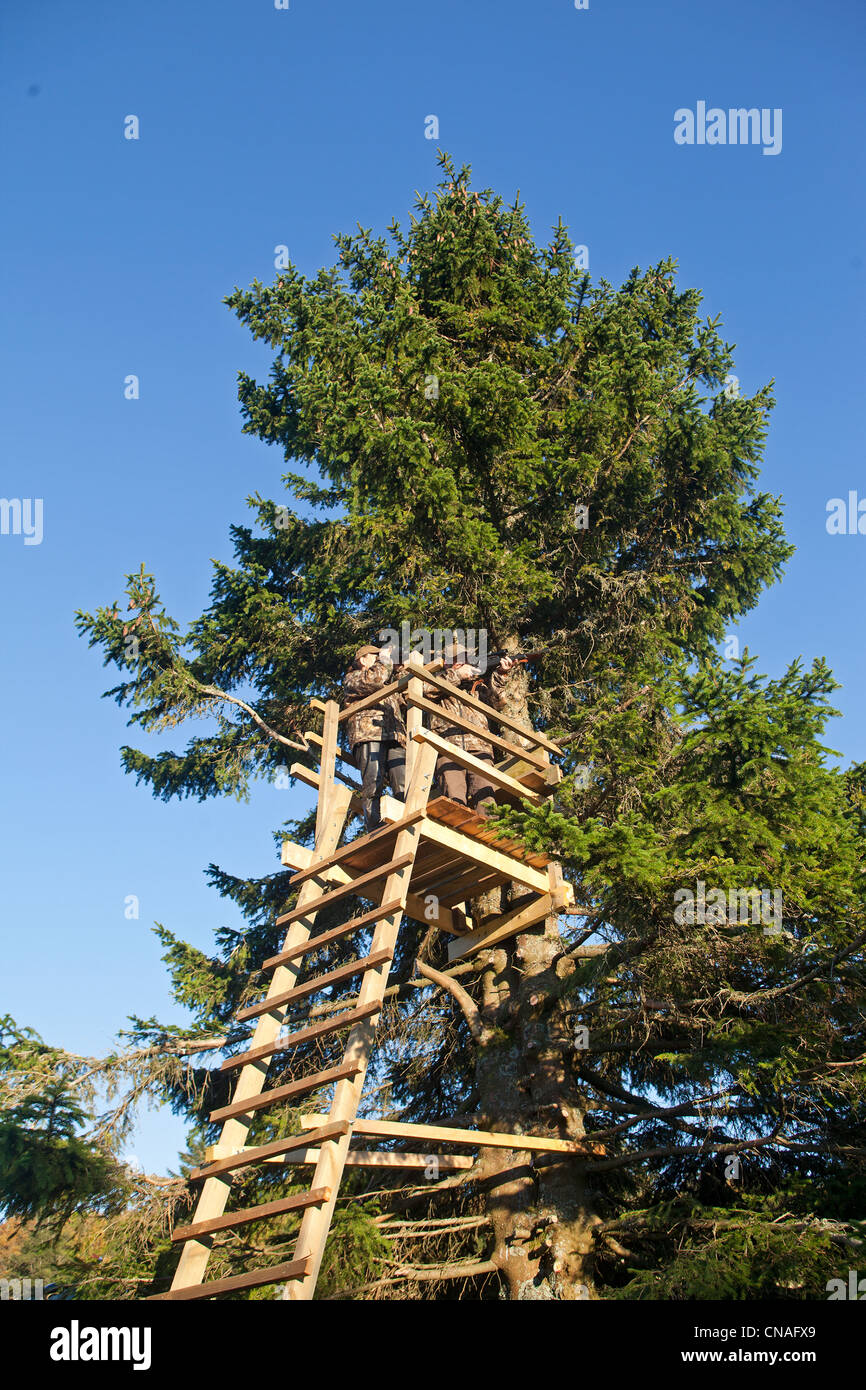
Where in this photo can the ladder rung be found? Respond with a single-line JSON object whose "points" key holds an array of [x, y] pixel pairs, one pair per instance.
{"points": [[346, 889], [336, 1130], [314, 1030], [333, 977], [325, 939], [314, 1198], [292, 1088], [253, 1279]]}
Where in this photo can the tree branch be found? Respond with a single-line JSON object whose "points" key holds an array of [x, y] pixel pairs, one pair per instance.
{"points": [[465, 1001], [215, 693]]}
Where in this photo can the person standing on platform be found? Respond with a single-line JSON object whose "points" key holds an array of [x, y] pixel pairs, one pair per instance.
{"points": [[457, 782], [377, 734]]}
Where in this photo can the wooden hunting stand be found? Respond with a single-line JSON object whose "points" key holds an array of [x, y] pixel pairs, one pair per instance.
{"points": [[428, 859]]}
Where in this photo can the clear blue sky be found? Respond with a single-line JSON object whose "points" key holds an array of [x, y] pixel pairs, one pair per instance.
{"points": [[260, 127]]}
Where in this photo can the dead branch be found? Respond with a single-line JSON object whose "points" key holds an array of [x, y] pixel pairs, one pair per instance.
{"points": [[464, 1000]]}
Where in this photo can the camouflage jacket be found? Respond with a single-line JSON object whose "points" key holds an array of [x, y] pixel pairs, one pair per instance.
{"points": [[490, 691], [377, 723]]}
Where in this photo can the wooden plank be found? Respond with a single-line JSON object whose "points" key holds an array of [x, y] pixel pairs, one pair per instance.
{"points": [[452, 813], [414, 719], [498, 840], [312, 986], [468, 888], [444, 1134], [295, 856], [298, 856], [505, 720], [478, 827], [313, 1030], [532, 777], [431, 859], [519, 919], [346, 890], [247, 1215], [393, 688], [259, 1153], [415, 908], [439, 877], [254, 1279], [451, 866], [312, 779], [379, 1158], [501, 839], [494, 739], [305, 774], [469, 822], [375, 839], [444, 918], [473, 764], [314, 943], [484, 855], [524, 773], [281, 1093]]}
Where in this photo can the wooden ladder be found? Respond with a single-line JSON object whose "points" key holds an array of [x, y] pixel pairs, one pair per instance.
{"points": [[332, 1138]]}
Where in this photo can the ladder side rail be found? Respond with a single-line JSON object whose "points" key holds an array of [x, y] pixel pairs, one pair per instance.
{"points": [[414, 720], [327, 766], [347, 1094], [252, 1078]]}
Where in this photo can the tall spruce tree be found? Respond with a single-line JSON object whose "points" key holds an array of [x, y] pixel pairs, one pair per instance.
{"points": [[489, 441]]}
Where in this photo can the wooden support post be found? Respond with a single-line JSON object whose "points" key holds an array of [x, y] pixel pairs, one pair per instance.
{"points": [[414, 716], [328, 764]]}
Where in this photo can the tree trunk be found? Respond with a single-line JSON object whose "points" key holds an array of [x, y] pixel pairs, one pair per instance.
{"points": [[542, 1221]]}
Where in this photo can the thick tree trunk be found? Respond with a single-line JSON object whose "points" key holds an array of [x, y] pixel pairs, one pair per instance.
{"points": [[541, 1218]]}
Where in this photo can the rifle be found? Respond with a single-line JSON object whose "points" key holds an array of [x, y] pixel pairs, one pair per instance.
{"points": [[494, 659]]}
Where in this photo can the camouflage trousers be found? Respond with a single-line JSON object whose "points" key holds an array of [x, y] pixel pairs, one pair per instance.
{"points": [[381, 765]]}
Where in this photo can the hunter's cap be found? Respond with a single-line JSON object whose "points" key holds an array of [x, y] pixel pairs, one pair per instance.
{"points": [[366, 651]]}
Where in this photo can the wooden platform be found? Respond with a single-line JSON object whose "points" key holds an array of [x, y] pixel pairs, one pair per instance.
{"points": [[468, 853]]}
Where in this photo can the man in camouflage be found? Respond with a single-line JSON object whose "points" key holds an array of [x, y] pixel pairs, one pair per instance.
{"points": [[457, 782], [377, 734]]}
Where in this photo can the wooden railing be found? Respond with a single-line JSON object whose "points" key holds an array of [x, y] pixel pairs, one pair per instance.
{"points": [[531, 761]]}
